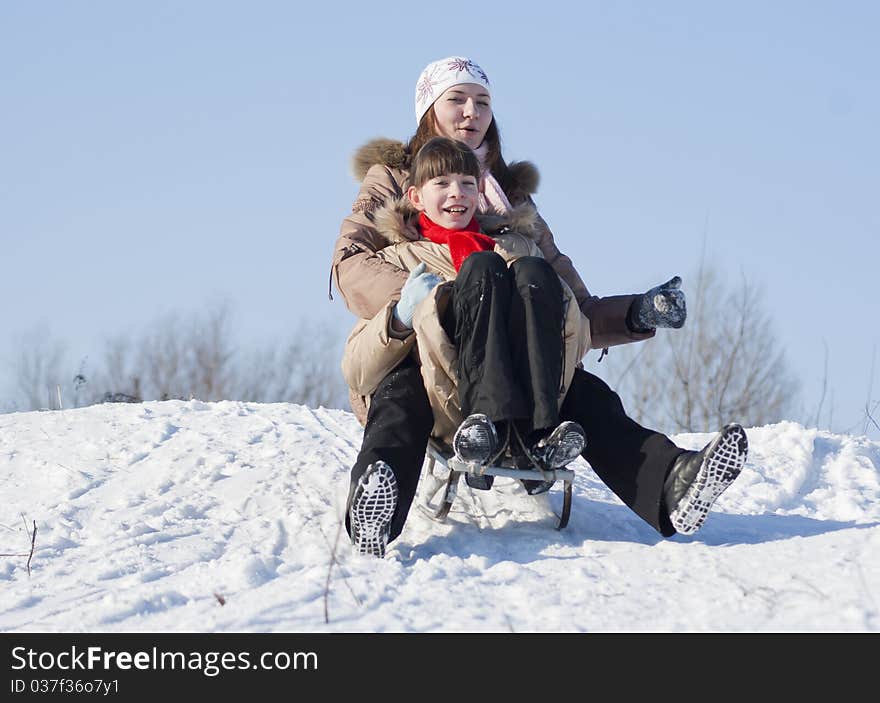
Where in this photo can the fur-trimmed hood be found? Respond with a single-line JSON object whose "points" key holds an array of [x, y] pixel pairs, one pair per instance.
{"points": [[520, 180], [397, 221], [386, 152]]}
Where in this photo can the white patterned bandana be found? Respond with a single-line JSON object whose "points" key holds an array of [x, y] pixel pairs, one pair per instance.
{"points": [[441, 75]]}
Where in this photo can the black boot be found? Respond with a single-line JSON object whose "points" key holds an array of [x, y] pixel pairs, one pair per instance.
{"points": [[483, 482], [476, 442], [696, 479], [561, 446], [551, 450], [373, 502]]}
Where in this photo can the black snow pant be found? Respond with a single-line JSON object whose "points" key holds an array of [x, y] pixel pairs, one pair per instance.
{"points": [[507, 325], [398, 427], [631, 460]]}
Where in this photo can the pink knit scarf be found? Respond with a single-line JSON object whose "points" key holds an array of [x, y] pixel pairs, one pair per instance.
{"points": [[492, 199]]}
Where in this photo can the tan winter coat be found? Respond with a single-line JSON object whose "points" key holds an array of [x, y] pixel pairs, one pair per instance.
{"points": [[370, 284], [368, 354]]}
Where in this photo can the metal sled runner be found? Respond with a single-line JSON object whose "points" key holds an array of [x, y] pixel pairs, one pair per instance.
{"points": [[504, 466]]}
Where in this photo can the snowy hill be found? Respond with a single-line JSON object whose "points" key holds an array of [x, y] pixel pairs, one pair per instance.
{"points": [[148, 516]]}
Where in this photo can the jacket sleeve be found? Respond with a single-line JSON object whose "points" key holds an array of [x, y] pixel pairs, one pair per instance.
{"points": [[607, 315], [364, 280], [371, 353]]}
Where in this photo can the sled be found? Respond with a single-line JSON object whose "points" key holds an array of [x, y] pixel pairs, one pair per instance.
{"points": [[506, 466]]}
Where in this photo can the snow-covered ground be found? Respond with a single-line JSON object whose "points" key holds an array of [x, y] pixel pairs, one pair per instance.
{"points": [[226, 517]]}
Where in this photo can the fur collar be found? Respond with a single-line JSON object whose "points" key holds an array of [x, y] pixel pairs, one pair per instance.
{"points": [[396, 221], [386, 152], [521, 180]]}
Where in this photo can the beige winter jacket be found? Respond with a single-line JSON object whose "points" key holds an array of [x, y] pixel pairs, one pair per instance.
{"points": [[371, 353], [370, 284]]}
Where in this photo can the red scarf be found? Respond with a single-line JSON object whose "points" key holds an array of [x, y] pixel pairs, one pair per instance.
{"points": [[461, 242]]}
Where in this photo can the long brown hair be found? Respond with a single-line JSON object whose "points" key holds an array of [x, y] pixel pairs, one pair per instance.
{"points": [[427, 129]]}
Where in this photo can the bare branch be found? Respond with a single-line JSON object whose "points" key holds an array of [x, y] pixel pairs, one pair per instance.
{"points": [[870, 391], [871, 418], [329, 572], [38, 368], [33, 542], [824, 383], [29, 555]]}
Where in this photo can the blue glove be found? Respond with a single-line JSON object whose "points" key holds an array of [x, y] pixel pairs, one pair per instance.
{"points": [[414, 291], [662, 306]]}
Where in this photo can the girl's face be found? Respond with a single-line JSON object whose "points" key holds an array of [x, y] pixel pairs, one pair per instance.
{"points": [[464, 112], [449, 200]]}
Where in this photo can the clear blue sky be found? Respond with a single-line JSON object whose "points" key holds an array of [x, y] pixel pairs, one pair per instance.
{"points": [[160, 157]]}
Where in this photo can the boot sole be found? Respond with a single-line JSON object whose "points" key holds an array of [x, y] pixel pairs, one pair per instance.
{"points": [[372, 508], [568, 443], [566, 449], [477, 449], [723, 462]]}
